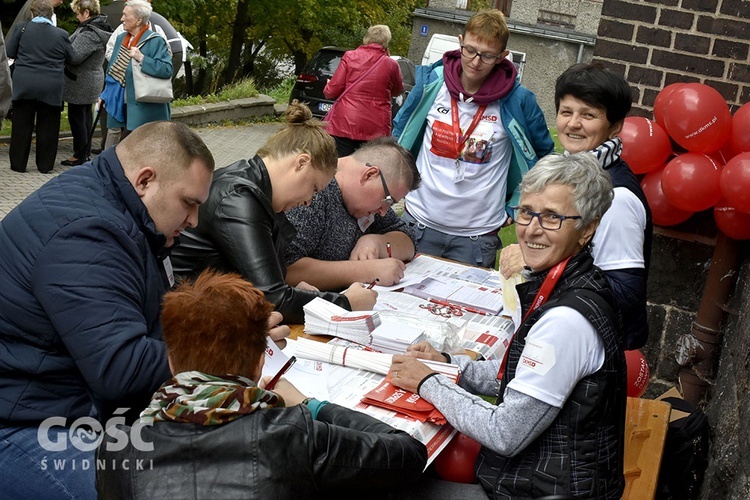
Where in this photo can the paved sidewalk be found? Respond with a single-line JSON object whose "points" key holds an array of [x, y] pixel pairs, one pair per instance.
{"points": [[228, 144]]}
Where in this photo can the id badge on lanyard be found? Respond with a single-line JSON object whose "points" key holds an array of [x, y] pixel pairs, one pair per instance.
{"points": [[460, 139]]}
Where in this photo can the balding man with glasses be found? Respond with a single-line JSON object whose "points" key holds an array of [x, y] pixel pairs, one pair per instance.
{"points": [[349, 233], [475, 132]]}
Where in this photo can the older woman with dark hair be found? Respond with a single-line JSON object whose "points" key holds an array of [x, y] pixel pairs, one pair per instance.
{"points": [[84, 76], [591, 104], [215, 432], [558, 428], [138, 43], [40, 51], [364, 83]]}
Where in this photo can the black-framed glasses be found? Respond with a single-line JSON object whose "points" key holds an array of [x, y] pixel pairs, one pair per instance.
{"points": [[471, 53], [548, 220], [388, 200]]}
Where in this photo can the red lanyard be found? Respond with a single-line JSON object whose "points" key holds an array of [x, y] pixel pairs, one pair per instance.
{"points": [[461, 139], [541, 297]]}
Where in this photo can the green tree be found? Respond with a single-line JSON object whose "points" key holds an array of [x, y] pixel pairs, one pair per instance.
{"points": [[230, 36]]}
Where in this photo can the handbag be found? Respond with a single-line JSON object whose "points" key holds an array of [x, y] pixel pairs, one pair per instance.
{"points": [[327, 117], [150, 88]]}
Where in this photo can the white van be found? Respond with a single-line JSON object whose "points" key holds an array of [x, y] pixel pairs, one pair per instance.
{"points": [[440, 44]]}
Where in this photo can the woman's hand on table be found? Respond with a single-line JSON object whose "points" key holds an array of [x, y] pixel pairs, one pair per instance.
{"points": [[360, 298], [286, 390], [276, 331], [424, 350], [407, 372], [511, 260]]}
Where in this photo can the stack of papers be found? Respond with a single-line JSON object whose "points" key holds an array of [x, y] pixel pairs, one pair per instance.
{"points": [[326, 318], [393, 337], [364, 359], [471, 296]]}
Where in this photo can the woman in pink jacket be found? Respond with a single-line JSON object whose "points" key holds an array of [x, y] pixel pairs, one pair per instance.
{"points": [[364, 83]]}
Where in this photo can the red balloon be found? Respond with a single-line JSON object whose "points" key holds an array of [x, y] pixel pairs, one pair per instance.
{"points": [[663, 213], [638, 373], [645, 145], [691, 182], [723, 155], [456, 462], [731, 221], [697, 118], [741, 129], [735, 182], [660, 104]]}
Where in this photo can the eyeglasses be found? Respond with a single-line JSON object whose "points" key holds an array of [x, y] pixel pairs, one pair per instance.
{"points": [[548, 220], [471, 53], [388, 200]]}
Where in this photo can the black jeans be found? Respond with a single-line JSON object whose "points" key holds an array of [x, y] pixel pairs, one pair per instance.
{"points": [[25, 113], [80, 119]]}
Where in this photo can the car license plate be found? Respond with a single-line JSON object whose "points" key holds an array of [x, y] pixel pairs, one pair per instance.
{"points": [[325, 107]]}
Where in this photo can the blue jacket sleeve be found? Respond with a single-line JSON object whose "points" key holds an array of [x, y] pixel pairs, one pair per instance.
{"points": [[90, 281]]}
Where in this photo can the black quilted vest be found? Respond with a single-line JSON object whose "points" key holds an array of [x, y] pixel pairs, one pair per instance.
{"points": [[581, 453]]}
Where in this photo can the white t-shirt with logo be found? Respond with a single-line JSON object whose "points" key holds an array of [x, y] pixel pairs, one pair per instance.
{"points": [[561, 349], [618, 241], [471, 203]]}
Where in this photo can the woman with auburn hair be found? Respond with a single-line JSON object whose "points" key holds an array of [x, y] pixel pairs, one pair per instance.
{"points": [[242, 439], [242, 227]]}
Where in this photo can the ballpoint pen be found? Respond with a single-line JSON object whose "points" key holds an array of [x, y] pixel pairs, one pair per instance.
{"points": [[272, 383], [374, 282], [388, 249]]}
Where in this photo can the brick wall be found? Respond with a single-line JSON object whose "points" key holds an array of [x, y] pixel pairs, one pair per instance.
{"points": [[655, 43]]}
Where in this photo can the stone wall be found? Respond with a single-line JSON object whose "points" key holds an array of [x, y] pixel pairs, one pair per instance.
{"points": [[656, 43], [653, 44], [728, 474]]}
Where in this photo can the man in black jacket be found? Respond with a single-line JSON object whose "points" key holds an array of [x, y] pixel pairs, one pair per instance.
{"points": [[212, 431]]}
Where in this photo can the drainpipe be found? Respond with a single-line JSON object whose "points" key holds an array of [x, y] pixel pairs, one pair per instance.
{"points": [[697, 351], [580, 53]]}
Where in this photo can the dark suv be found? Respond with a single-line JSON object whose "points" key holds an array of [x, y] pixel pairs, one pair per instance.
{"points": [[310, 83]]}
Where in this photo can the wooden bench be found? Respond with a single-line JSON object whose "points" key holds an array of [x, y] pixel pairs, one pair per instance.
{"points": [[646, 424]]}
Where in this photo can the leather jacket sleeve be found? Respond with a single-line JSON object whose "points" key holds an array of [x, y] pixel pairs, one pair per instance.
{"points": [[245, 234], [351, 449]]}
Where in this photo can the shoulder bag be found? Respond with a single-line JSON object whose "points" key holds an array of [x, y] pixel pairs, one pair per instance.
{"points": [[150, 88], [327, 117]]}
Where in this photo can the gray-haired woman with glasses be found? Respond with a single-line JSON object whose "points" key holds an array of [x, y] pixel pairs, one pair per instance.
{"points": [[558, 426]]}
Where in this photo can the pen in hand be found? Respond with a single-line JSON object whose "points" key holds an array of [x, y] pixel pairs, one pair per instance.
{"points": [[374, 282], [388, 249], [272, 383]]}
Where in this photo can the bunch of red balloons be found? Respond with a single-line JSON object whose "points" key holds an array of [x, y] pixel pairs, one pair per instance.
{"points": [[711, 167]]}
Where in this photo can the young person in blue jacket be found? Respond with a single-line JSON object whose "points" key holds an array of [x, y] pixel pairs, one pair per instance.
{"points": [[475, 132]]}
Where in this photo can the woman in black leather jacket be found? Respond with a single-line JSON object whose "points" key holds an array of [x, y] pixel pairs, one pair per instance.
{"points": [[242, 227], [213, 432]]}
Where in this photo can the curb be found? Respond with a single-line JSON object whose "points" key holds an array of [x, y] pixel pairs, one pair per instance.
{"points": [[215, 112]]}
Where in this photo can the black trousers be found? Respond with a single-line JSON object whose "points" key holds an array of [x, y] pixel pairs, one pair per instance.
{"points": [[25, 113], [80, 119], [346, 146]]}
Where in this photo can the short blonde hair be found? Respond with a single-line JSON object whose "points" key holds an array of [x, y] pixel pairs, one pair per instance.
{"points": [[380, 34]]}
